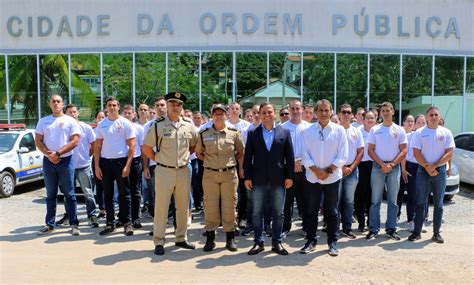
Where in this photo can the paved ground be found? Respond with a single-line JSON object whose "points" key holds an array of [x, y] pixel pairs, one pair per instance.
{"points": [[90, 258]]}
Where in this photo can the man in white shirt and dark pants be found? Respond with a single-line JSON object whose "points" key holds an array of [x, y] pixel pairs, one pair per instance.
{"points": [[56, 136], [387, 148], [82, 164], [432, 147], [324, 153]]}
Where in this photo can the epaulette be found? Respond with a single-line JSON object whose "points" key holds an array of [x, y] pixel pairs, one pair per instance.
{"points": [[202, 131], [160, 119], [232, 129], [187, 120]]}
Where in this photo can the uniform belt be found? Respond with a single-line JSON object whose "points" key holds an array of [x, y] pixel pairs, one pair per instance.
{"points": [[220, 169], [166, 166]]}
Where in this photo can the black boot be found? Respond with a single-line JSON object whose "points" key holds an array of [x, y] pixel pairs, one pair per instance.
{"points": [[230, 243], [210, 244]]}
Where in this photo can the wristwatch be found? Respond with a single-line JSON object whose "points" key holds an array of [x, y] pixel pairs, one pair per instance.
{"points": [[58, 154]]}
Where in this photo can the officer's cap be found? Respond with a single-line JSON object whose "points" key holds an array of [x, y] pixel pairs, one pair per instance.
{"points": [[218, 107], [175, 96]]}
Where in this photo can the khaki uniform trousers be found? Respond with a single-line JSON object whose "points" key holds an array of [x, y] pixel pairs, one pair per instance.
{"points": [[177, 182], [220, 194]]}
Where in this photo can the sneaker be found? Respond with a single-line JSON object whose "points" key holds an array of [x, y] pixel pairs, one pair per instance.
{"points": [[348, 233], [93, 222], [107, 230], [101, 214], [411, 226], [75, 231], [414, 236], [247, 231], [308, 247], [285, 234], [324, 228], [128, 230], [437, 238], [137, 224], [361, 228], [64, 220], [118, 224], [243, 224], [371, 235], [392, 234], [423, 228], [45, 230], [333, 250], [144, 208]]}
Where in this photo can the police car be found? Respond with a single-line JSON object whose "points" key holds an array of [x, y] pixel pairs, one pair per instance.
{"points": [[20, 161]]}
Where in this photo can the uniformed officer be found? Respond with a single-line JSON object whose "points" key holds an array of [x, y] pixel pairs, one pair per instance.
{"points": [[174, 137], [220, 147]]}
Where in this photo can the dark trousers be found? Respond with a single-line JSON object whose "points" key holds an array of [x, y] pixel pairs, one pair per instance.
{"points": [[99, 190], [242, 202], [296, 191], [312, 196], [410, 188], [112, 172], [363, 192], [135, 185], [196, 182], [151, 191]]}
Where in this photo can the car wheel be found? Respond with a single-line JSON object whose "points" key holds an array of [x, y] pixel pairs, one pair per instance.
{"points": [[7, 184], [448, 197]]}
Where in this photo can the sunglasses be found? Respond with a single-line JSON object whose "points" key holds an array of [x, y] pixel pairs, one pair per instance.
{"points": [[284, 114], [346, 112]]}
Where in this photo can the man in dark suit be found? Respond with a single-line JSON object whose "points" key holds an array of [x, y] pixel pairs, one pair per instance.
{"points": [[268, 170]]}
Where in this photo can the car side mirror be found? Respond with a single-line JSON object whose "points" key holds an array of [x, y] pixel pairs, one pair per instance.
{"points": [[23, 150]]}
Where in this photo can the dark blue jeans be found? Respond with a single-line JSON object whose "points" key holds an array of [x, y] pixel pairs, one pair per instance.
{"points": [[410, 187], [312, 199], [112, 171], [55, 174], [196, 182], [261, 194], [296, 191], [425, 184]]}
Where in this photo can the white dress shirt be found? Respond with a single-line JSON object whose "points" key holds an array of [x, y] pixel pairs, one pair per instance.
{"points": [[295, 132], [323, 147]]}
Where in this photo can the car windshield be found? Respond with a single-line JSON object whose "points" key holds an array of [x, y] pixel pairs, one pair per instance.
{"points": [[7, 141]]}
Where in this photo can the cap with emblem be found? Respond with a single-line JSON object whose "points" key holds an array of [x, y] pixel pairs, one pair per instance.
{"points": [[175, 96], [218, 107]]}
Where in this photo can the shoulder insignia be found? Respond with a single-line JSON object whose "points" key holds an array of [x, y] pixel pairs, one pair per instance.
{"points": [[232, 129], [202, 131], [160, 119], [186, 120]]}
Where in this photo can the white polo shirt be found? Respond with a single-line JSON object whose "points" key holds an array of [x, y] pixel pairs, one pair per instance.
{"points": [[57, 132], [365, 136], [387, 140], [295, 132], [115, 135], [323, 147], [139, 140], [355, 140], [432, 142], [246, 131], [410, 156], [240, 126], [81, 154]]}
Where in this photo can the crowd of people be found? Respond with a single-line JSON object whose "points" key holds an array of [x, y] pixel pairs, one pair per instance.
{"points": [[245, 174]]}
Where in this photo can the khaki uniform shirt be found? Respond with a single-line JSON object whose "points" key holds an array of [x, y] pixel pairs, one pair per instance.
{"points": [[172, 142], [219, 147]]}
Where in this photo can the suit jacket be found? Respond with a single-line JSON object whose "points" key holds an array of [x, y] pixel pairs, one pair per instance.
{"points": [[272, 167]]}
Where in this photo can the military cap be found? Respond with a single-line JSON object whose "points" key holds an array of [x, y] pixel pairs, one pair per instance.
{"points": [[218, 107], [175, 96]]}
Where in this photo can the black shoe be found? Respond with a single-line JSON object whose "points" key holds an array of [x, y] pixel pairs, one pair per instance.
{"points": [[437, 238], [371, 235], [247, 231], [256, 249], [159, 250], [93, 223], [230, 242], [268, 231], [392, 234], [349, 234], [185, 244], [150, 233], [285, 234], [414, 236], [118, 224], [279, 249], [324, 228], [128, 230], [101, 215], [361, 228], [333, 250], [144, 209], [308, 247], [137, 224], [64, 220], [45, 230], [107, 230], [210, 244]]}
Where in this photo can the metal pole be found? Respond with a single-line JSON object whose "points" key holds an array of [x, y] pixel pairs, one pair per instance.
{"points": [[7, 78], [38, 79], [101, 81], [432, 79], [400, 91], [335, 80], [268, 76], [134, 90], [464, 107], [301, 77], [200, 81], [368, 81], [69, 77], [234, 76], [166, 72]]}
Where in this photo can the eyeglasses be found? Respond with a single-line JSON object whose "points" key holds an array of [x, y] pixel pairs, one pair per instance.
{"points": [[321, 136], [346, 112], [284, 114]]}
